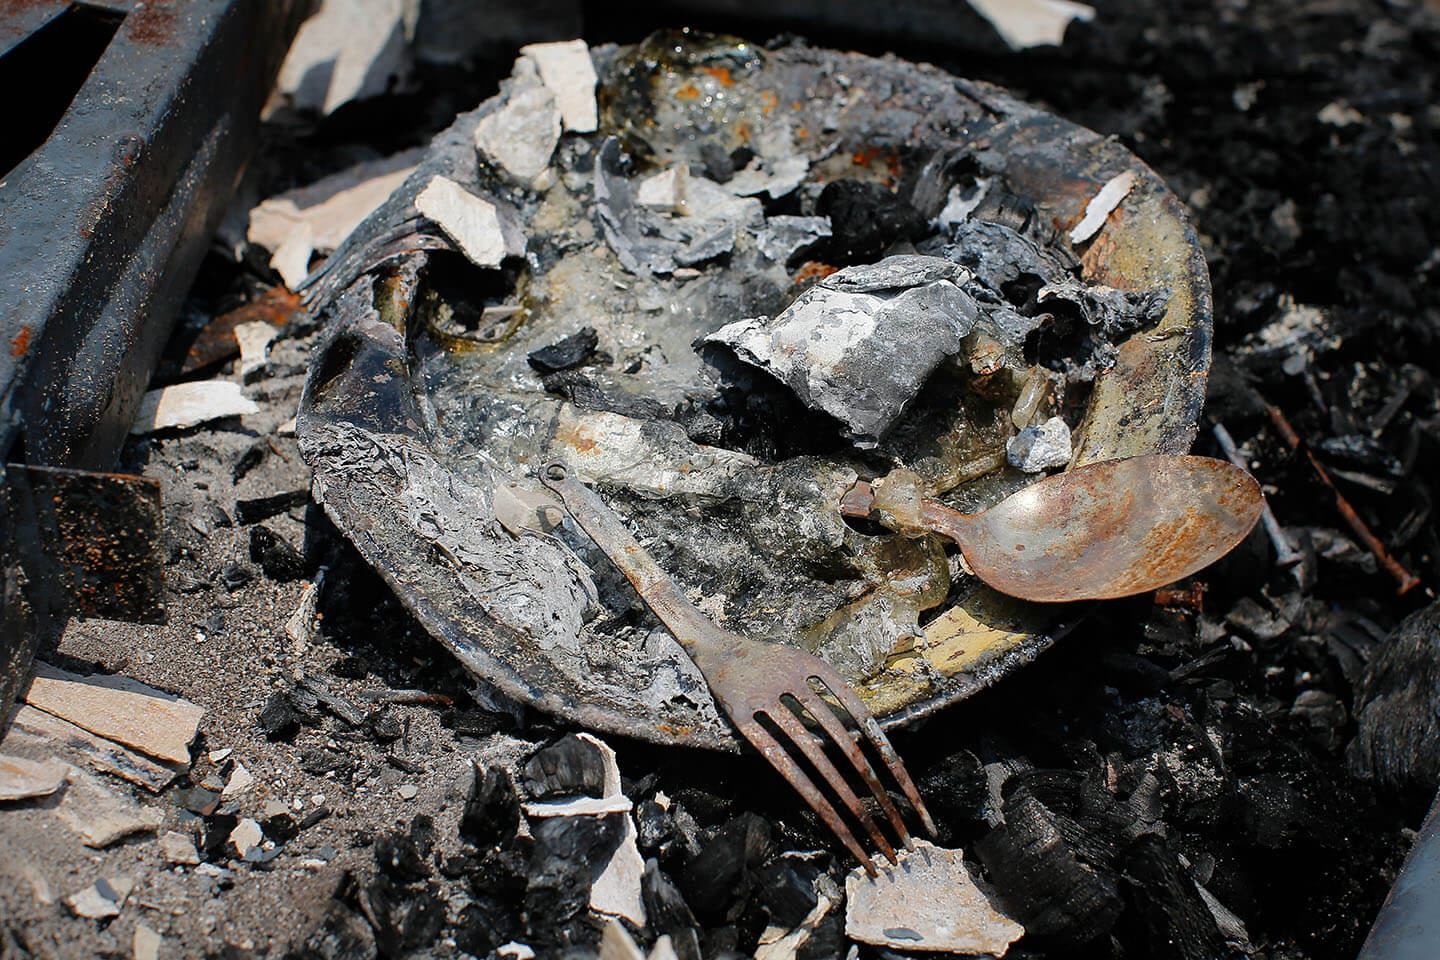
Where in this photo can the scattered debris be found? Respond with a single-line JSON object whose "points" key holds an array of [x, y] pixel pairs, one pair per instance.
{"points": [[521, 135], [1032, 23], [21, 779], [254, 338], [1397, 707], [119, 708], [483, 233], [1040, 448], [571, 351], [178, 848], [866, 219], [313, 219], [147, 943], [926, 901], [348, 50], [783, 238], [189, 404], [566, 68], [777, 943], [859, 343], [240, 781], [1102, 205], [102, 899], [246, 836], [408, 791], [584, 762]]}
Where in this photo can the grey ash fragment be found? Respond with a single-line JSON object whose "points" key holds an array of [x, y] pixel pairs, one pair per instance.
{"points": [[1039, 448], [859, 344], [783, 237]]}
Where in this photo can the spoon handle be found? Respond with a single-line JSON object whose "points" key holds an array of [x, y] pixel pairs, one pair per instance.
{"points": [[859, 501]]}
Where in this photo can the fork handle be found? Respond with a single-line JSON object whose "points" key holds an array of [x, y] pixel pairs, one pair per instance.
{"points": [[694, 631]]}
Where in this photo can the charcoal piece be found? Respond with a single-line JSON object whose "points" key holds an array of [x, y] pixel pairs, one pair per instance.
{"points": [[1040, 877], [561, 871], [865, 219], [1397, 707], [570, 766], [491, 816], [785, 889], [572, 351], [719, 876], [653, 826], [422, 833], [484, 926], [1362, 450], [198, 800], [263, 508], [740, 157], [473, 721], [281, 828], [403, 918], [458, 866], [235, 575], [504, 873], [325, 760], [279, 719], [216, 836], [1087, 323], [314, 816], [253, 456], [860, 343], [1323, 716], [668, 912], [586, 394], [1175, 917], [398, 855], [280, 561], [383, 726], [955, 789], [341, 934], [719, 166], [1002, 259]]}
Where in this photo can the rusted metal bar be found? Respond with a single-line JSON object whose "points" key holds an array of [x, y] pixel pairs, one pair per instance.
{"points": [[1407, 581]]}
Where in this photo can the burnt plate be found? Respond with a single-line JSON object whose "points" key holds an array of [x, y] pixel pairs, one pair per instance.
{"points": [[441, 387]]}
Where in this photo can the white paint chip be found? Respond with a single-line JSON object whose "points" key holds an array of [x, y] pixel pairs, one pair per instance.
{"points": [[474, 224], [521, 135], [1032, 23], [566, 68], [1102, 205], [247, 834], [254, 339], [240, 781], [926, 901], [188, 404]]}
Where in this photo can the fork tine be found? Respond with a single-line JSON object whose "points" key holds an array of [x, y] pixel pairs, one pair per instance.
{"points": [[845, 740], [771, 749], [809, 745], [848, 698]]}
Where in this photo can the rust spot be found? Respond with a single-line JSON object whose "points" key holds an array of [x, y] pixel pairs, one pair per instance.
{"points": [[21, 341], [216, 340], [768, 101], [723, 75], [863, 156], [813, 270], [743, 130], [687, 92], [152, 24]]}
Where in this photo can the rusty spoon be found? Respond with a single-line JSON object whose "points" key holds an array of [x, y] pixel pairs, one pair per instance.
{"points": [[1110, 529], [762, 686]]}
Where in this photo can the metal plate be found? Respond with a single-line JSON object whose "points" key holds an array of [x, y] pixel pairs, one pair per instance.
{"points": [[368, 426]]}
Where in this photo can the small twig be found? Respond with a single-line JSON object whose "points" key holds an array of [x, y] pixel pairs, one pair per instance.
{"points": [[420, 697], [1403, 577], [1285, 554]]}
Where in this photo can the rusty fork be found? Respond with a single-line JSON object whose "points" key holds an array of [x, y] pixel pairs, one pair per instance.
{"points": [[757, 682]]}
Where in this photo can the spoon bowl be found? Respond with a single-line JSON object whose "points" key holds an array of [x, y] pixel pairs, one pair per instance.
{"points": [[1110, 529]]}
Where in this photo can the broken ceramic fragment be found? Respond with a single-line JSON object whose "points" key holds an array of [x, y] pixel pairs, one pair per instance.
{"points": [[926, 901]]}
